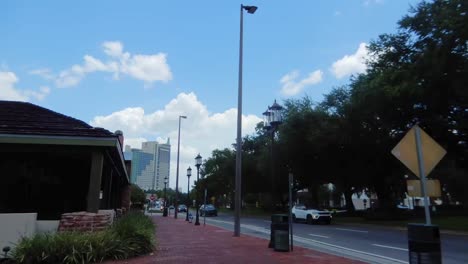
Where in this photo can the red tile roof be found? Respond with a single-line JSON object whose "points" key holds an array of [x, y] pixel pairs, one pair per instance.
{"points": [[21, 118]]}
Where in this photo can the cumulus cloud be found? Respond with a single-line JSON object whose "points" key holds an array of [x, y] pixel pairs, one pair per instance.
{"points": [[147, 68], [201, 132], [292, 86], [44, 73], [8, 91], [351, 64]]}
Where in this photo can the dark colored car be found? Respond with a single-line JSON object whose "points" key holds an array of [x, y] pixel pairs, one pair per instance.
{"points": [[208, 210], [182, 208]]}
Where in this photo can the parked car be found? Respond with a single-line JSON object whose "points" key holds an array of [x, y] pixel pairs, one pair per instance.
{"points": [[182, 208], [208, 210], [310, 215]]}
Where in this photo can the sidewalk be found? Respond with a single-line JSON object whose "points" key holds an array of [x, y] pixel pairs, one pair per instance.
{"points": [[181, 242]]}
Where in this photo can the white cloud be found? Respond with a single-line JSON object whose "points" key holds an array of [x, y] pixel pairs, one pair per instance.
{"points": [[39, 95], [148, 68], [44, 73], [201, 132], [292, 87], [351, 64], [8, 91], [113, 48]]}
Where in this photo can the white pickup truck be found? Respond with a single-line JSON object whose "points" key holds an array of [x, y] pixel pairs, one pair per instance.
{"points": [[309, 215]]}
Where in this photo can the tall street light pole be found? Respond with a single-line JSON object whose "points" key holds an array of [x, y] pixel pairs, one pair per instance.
{"points": [[198, 162], [238, 181], [177, 172], [189, 173]]}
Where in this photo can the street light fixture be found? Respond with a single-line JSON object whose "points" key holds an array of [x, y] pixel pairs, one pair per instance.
{"points": [[198, 162], [273, 117], [165, 203], [189, 173], [177, 172], [238, 180]]}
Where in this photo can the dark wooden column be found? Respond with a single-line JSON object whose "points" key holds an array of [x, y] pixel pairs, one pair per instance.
{"points": [[94, 188]]}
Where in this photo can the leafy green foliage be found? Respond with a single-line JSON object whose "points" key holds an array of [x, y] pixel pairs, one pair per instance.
{"points": [[418, 75], [132, 235], [137, 195]]}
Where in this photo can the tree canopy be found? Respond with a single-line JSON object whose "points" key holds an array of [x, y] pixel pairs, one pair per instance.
{"points": [[418, 75]]}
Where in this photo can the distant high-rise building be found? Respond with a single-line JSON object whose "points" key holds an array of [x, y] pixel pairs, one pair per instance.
{"points": [[150, 164]]}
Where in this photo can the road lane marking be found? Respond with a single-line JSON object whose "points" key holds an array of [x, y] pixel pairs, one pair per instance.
{"points": [[318, 236], [352, 230], [397, 248], [327, 246]]}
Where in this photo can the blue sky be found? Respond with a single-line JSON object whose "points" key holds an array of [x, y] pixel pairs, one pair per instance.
{"points": [[137, 65]]}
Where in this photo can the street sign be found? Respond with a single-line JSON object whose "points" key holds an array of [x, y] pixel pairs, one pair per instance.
{"points": [[420, 153], [405, 151], [432, 188]]}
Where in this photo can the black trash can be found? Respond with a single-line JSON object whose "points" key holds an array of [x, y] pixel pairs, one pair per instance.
{"points": [[424, 244], [279, 222]]}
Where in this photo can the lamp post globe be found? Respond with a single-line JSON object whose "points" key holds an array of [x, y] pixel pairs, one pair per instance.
{"points": [[165, 198], [198, 163], [189, 173]]}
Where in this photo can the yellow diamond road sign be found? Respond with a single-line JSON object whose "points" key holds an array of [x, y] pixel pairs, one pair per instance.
{"points": [[405, 151]]}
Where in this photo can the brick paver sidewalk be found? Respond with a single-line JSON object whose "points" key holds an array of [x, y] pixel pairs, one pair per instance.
{"points": [[181, 242]]}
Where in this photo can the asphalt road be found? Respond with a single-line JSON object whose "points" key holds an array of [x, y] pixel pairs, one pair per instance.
{"points": [[370, 243]]}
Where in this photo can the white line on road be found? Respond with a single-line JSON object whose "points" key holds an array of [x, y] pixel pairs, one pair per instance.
{"points": [[397, 248], [328, 246], [352, 230], [318, 236]]}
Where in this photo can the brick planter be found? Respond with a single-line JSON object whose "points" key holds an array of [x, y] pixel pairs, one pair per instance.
{"points": [[84, 221]]}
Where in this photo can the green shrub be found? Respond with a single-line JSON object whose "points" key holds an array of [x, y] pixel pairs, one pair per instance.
{"points": [[137, 195], [137, 232], [132, 235]]}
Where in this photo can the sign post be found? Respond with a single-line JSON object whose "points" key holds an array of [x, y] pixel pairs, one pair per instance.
{"points": [[420, 153], [422, 175], [290, 208]]}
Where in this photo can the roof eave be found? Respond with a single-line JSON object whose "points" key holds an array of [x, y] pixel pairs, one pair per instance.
{"points": [[67, 140]]}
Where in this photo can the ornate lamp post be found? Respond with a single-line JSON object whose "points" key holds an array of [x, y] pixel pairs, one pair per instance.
{"points": [[189, 173], [165, 203], [238, 179], [272, 119], [198, 162], [176, 202]]}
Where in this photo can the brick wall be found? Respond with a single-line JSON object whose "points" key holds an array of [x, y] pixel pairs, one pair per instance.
{"points": [[85, 221]]}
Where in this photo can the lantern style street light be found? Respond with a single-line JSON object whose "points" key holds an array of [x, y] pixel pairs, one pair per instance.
{"points": [[189, 173], [177, 172], [165, 203], [272, 118], [198, 162], [238, 179]]}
